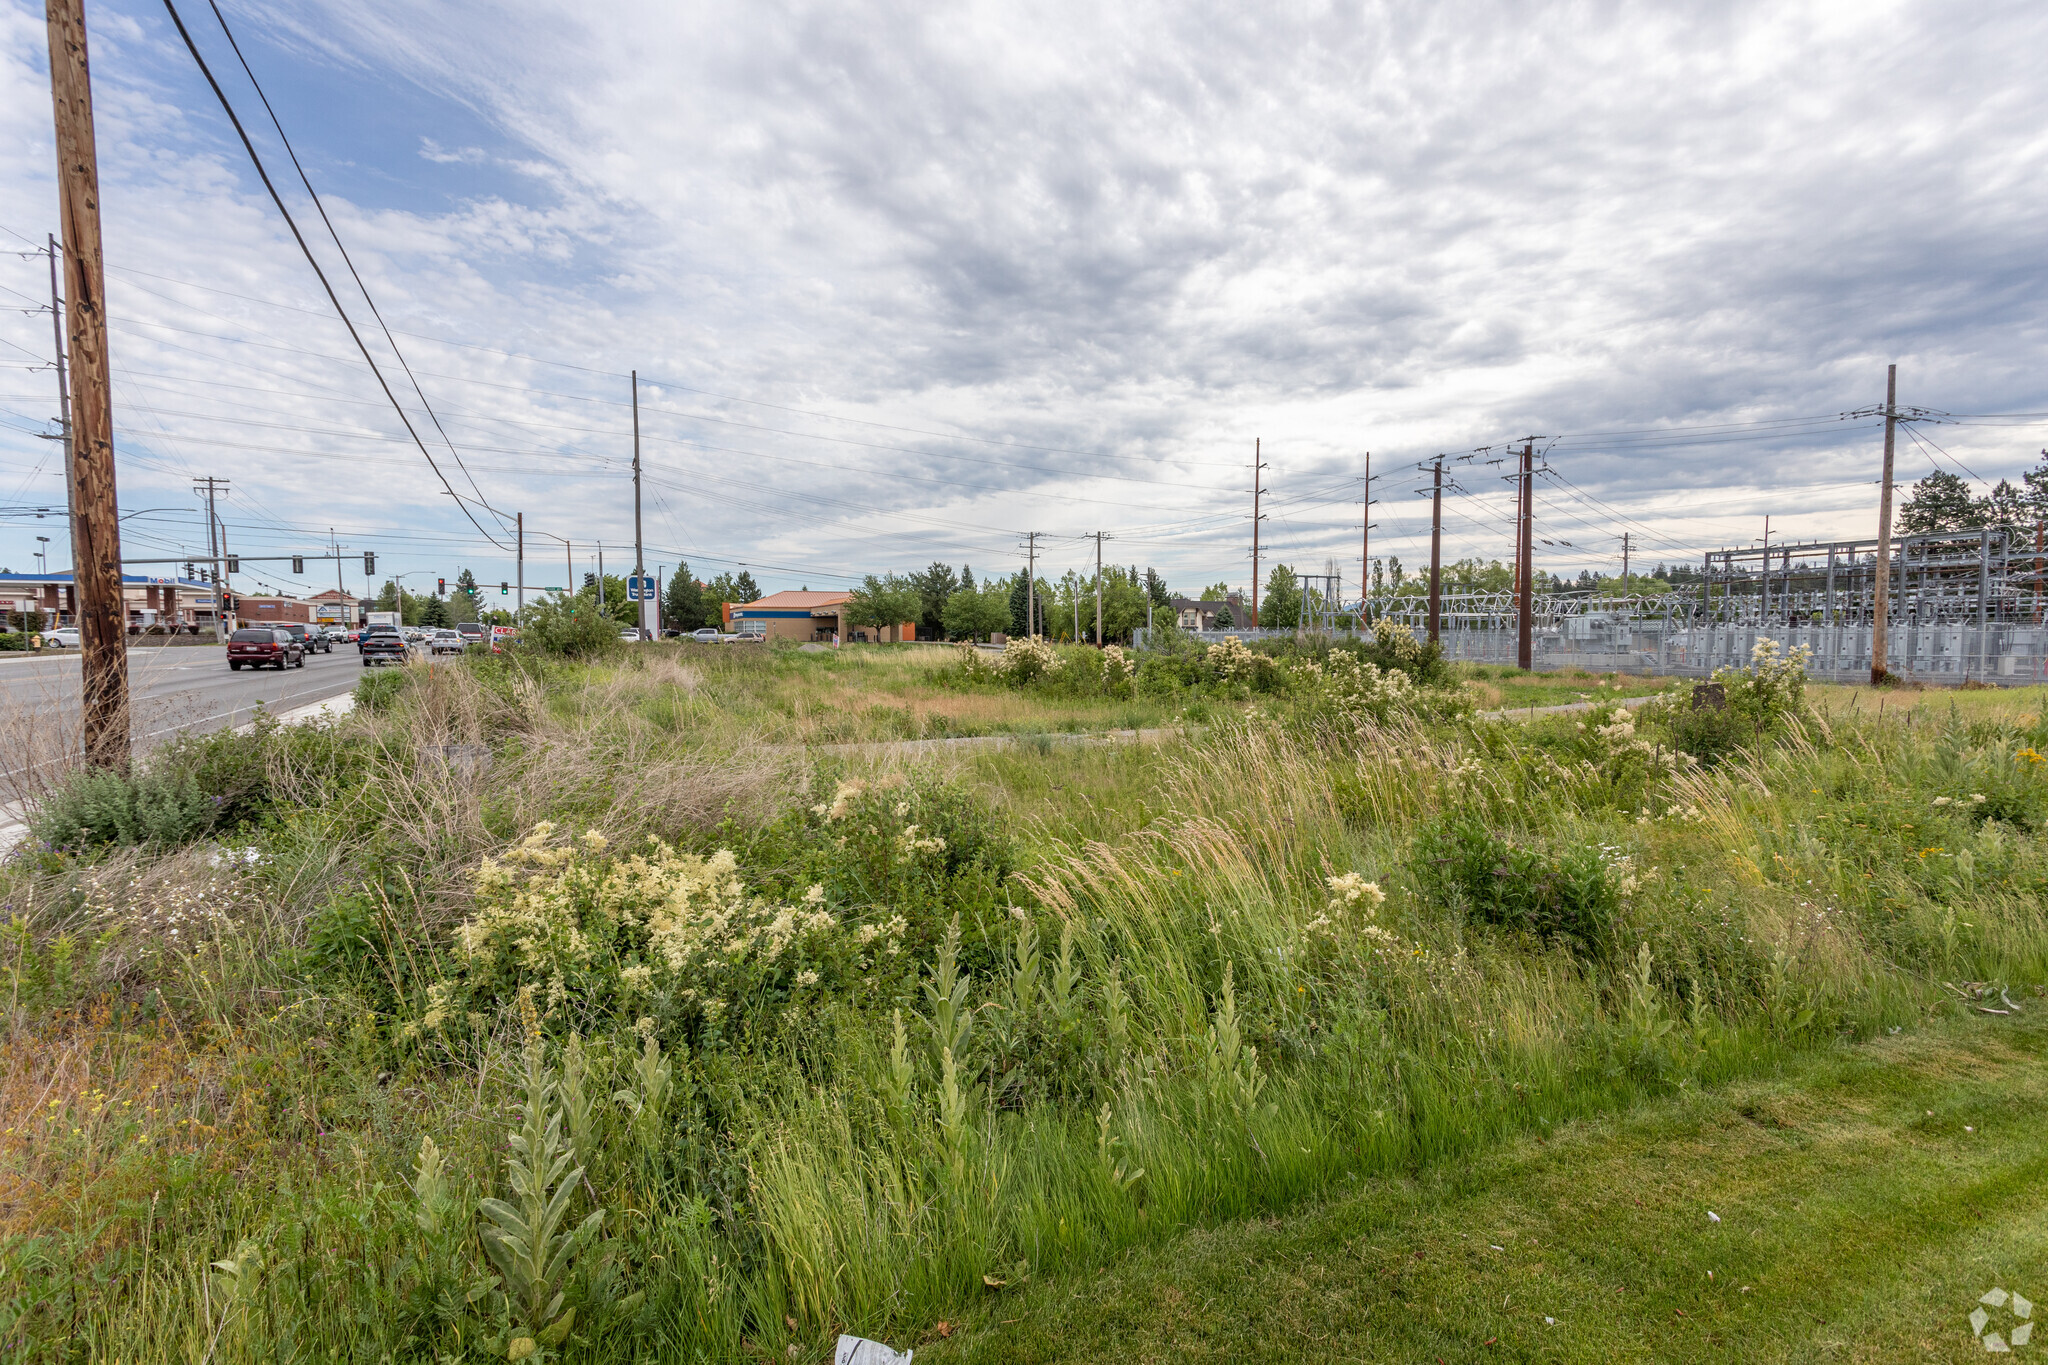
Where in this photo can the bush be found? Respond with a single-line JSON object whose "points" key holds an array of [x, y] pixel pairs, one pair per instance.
{"points": [[576, 629], [188, 788], [1394, 648], [379, 688], [95, 806], [13, 640], [1574, 895], [1709, 733]]}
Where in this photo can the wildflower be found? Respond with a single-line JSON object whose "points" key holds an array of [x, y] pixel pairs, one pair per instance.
{"points": [[1977, 798], [593, 841], [1353, 890], [806, 978], [1943, 800]]}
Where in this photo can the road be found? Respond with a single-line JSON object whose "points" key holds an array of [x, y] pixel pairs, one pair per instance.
{"points": [[171, 689]]}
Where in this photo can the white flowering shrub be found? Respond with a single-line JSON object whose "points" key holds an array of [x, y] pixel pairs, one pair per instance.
{"points": [[1772, 689], [1021, 662], [1119, 671], [657, 933]]}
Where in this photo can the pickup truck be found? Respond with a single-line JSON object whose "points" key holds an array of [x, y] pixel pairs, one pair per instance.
{"points": [[382, 644]]}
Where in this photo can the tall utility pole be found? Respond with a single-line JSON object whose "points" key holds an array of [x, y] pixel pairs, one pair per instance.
{"points": [[340, 588], [1098, 589], [639, 552], [215, 547], [1436, 552], [519, 563], [1525, 573], [1031, 584], [569, 560], [600, 576], [1881, 603], [95, 514], [1365, 546], [1258, 489], [1624, 554], [63, 380]]}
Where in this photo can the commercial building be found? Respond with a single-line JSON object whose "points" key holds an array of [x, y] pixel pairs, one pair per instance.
{"points": [[336, 608], [808, 616], [159, 605]]}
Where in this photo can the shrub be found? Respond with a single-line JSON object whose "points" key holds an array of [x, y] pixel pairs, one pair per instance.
{"points": [[1573, 894], [13, 640], [575, 628], [1709, 733], [379, 688], [1394, 648], [1772, 690], [188, 788]]}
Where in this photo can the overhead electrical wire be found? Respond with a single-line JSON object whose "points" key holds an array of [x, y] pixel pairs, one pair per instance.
{"points": [[311, 260], [347, 260]]}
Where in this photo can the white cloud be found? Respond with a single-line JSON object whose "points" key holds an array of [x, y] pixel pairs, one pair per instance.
{"points": [[1153, 231]]}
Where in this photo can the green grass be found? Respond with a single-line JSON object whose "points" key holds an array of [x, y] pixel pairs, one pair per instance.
{"points": [[1867, 1196], [1157, 970]]}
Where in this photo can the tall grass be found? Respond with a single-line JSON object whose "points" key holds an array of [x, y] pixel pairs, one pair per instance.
{"points": [[1183, 1005]]}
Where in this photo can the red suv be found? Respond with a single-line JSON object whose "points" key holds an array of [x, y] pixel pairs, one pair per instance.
{"points": [[260, 645]]}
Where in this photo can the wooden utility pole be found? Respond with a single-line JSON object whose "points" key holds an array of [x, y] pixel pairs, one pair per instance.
{"points": [[519, 564], [1436, 552], [1365, 549], [1098, 589], [1624, 555], [1258, 490], [1525, 573], [639, 553], [1881, 601], [95, 515], [1031, 584]]}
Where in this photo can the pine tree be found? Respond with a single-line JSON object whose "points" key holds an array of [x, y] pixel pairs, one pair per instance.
{"points": [[1940, 502]]}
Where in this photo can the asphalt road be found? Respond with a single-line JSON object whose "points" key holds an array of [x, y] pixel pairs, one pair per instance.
{"points": [[171, 689]]}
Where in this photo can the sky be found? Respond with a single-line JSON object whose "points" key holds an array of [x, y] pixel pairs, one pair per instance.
{"points": [[906, 282]]}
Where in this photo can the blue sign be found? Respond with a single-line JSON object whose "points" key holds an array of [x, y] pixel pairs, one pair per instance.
{"points": [[639, 589]]}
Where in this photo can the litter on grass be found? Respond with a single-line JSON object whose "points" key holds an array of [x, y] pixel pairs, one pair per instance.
{"points": [[860, 1351]]}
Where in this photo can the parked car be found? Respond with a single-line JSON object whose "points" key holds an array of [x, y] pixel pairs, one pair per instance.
{"points": [[447, 642], [707, 636], [382, 644], [63, 637], [257, 646], [472, 632], [310, 638], [629, 635]]}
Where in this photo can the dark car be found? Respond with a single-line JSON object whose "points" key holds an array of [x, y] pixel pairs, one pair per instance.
{"points": [[260, 645], [310, 638], [382, 644]]}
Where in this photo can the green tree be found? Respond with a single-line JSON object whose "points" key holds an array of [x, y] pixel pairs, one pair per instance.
{"points": [[1215, 592], [2006, 507], [879, 603], [1020, 605], [1123, 603], [1940, 502], [975, 612], [745, 589], [1280, 607], [683, 601], [568, 625], [2036, 481], [1155, 588], [434, 613], [934, 587]]}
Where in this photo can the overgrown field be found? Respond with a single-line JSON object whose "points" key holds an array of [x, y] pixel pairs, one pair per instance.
{"points": [[590, 1010]]}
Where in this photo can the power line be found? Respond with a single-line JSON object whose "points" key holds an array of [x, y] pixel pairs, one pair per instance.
{"points": [[311, 260]]}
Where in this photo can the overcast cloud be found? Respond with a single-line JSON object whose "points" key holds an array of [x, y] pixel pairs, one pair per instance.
{"points": [[1116, 244]]}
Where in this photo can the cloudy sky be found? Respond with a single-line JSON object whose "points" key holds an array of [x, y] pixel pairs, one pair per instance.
{"points": [[903, 282]]}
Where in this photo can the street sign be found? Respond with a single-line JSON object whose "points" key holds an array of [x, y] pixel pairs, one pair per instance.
{"points": [[639, 588]]}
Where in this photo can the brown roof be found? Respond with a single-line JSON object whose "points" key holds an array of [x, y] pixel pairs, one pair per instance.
{"points": [[793, 601]]}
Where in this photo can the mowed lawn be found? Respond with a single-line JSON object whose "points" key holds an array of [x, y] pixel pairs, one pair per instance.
{"points": [[1866, 1199]]}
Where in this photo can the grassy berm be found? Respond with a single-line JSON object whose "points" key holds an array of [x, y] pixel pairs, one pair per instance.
{"points": [[627, 1007]]}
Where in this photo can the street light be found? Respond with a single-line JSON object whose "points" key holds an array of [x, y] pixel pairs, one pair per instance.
{"points": [[44, 555]]}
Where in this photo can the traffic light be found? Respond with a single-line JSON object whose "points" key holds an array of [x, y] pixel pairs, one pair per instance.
{"points": [[504, 587], [234, 563], [188, 569], [440, 587], [369, 562], [298, 563]]}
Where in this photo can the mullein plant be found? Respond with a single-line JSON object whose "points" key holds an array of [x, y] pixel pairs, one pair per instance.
{"points": [[526, 1237]]}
